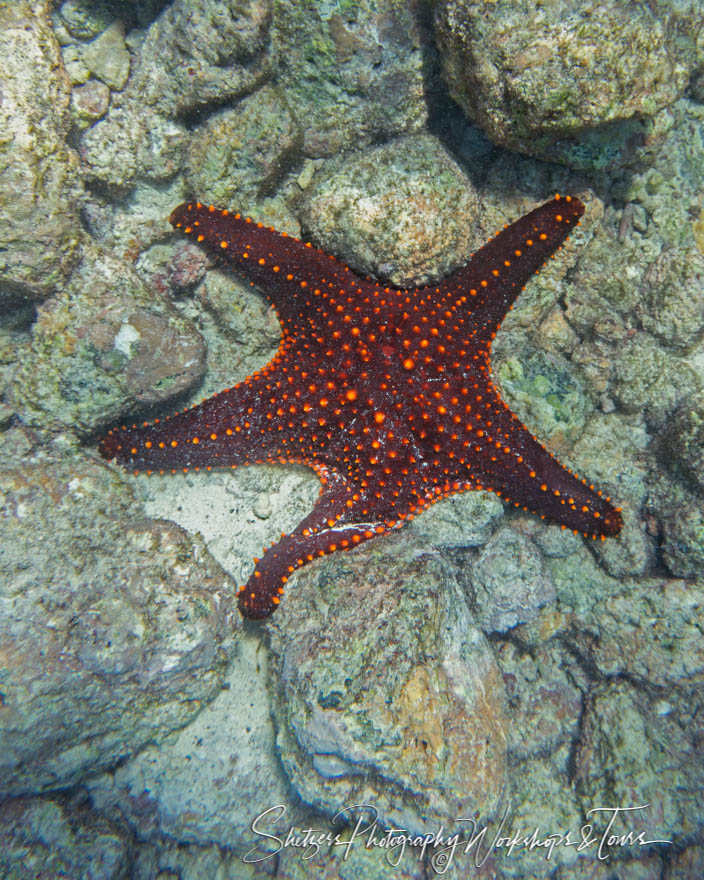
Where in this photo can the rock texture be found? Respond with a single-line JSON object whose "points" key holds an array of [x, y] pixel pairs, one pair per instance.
{"points": [[113, 627], [103, 347], [533, 76], [40, 186], [403, 711], [403, 211]]}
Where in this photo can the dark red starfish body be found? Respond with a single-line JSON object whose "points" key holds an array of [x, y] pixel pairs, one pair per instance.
{"points": [[386, 393]]}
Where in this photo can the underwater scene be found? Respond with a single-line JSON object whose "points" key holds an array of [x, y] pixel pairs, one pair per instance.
{"points": [[352, 439]]}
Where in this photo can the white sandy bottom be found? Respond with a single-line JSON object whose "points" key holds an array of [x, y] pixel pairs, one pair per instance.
{"points": [[220, 505]]}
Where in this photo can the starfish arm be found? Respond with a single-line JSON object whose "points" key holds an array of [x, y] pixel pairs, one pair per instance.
{"points": [[508, 460], [497, 273], [240, 425], [332, 525], [291, 273]]}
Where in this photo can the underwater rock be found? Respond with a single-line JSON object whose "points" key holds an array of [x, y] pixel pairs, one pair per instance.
{"points": [[240, 153], [40, 187], [464, 520], [647, 631], [631, 741], [118, 626], [194, 55], [543, 700], [353, 73], [684, 438], [404, 211], [387, 693], [107, 57], [672, 304], [89, 102], [509, 582], [651, 378], [209, 780], [57, 838], [86, 19], [561, 81], [683, 538], [102, 348]]}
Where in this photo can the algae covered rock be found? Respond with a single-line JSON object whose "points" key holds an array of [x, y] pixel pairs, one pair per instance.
{"points": [[648, 377], [672, 307], [388, 694], [114, 627], [403, 211], [647, 630], [240, 153], [509, 582], [102, 348], [194, 55], [684, 438], [55, 838], [547, 79], [353, 71], [683, 539], [40, 187], [630, 743]]}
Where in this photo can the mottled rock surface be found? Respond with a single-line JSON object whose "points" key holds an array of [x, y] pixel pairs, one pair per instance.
{"points": [[240, 154], [629, 744], [113, 627], [465, 520], [588, 686], [509, 582], [651, 378], [102, 348], [387, 693], [548, 80], [57, 838], [357, 861], [208, 781], [354, 72], [193, 55], [107, 58], [684, 439], [683, 537], [672, 307], [86, 20], [547, 392], [40, 187], [89, 102], [403, 211]]}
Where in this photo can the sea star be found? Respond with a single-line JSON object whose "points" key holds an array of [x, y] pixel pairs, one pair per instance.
{"points": [[386, 393]]}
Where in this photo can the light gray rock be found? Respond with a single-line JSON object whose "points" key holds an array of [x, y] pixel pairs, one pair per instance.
{"points": [[464, 520], [55, 838], [387, 693], [40, 188], [210, 780], [113, 628], [509, 582], [404, 211], [102, 348], [107, 57]]}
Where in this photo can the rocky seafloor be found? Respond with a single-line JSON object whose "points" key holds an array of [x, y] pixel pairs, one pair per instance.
{"points": [[480, 668]]}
